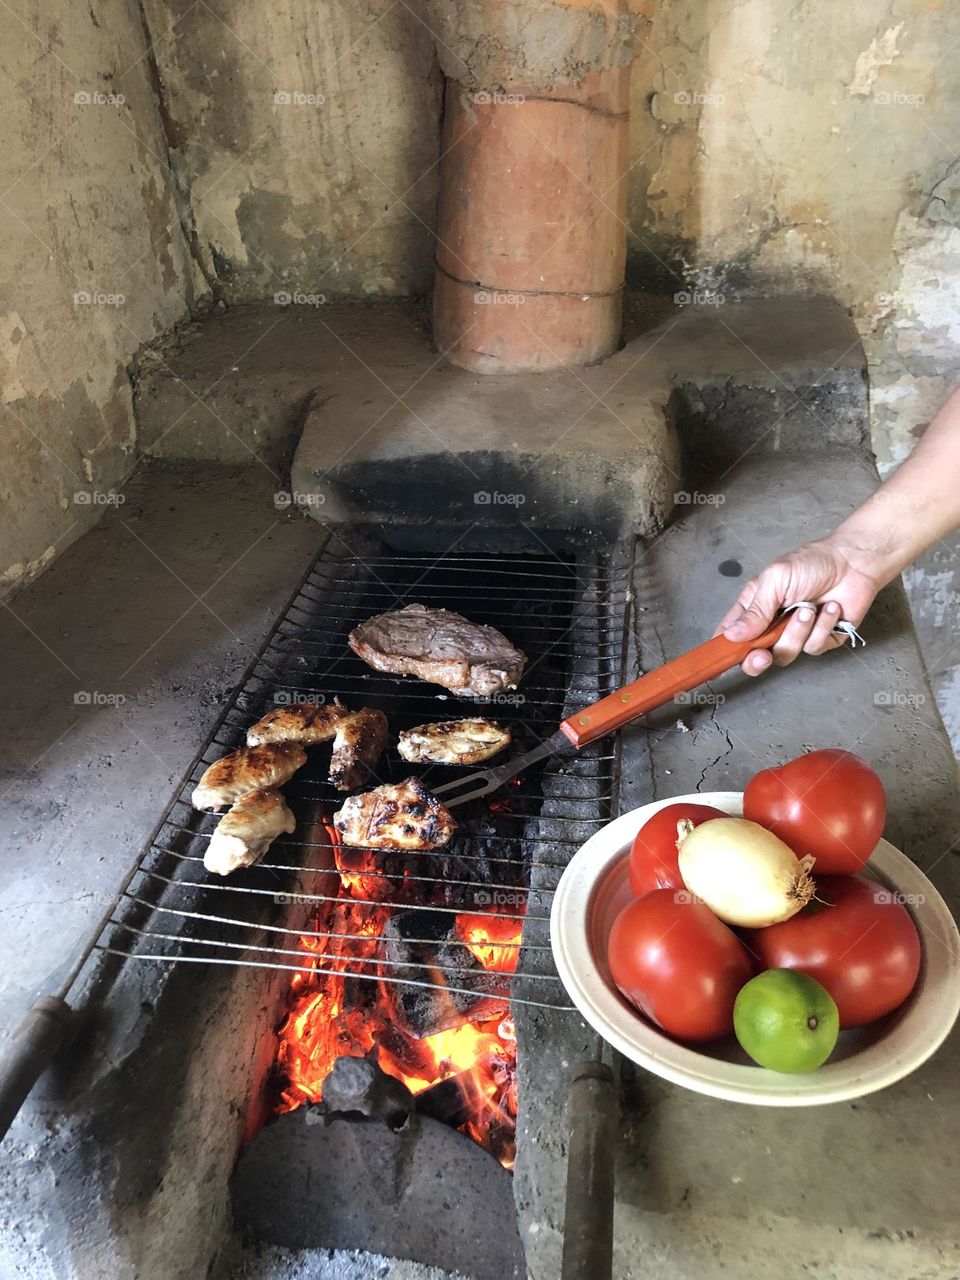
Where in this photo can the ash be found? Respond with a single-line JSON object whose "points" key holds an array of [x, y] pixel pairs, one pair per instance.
{"points": [[268, 1262]]}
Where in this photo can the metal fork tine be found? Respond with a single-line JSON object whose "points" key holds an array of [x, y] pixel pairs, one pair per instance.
{"points": [[482, 777], [484, 789], [485, 780]]}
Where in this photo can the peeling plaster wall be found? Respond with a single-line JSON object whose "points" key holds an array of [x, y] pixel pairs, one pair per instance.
{"points": [[783, 145], [792, 144], [307, 136], [92, 264], [777, 145]]}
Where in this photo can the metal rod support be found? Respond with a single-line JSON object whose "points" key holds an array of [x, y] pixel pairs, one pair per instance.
{"points": [[588, 1222], [28, 1053]]}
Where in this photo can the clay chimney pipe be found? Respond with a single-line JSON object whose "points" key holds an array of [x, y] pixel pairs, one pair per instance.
{"points": [[531, 228]]}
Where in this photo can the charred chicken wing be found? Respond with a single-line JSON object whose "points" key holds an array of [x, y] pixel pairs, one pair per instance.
{"points": [[403, 815], [245, 770], [358, 745], [453, 742], [247, 830], [304, 723]]}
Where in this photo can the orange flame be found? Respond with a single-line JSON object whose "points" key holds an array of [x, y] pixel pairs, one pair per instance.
{"points": [[323, 1022], [494, 940]]}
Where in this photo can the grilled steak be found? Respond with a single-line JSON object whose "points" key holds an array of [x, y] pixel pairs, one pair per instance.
{"points": [[245, 770], [441, 647], [246, 832], [403, 815], [358, 745], [453, 742]]}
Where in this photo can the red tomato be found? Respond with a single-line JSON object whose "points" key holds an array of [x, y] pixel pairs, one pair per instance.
{"points": [[859, 943], [829, 805], [678, 964], [653, 858]]}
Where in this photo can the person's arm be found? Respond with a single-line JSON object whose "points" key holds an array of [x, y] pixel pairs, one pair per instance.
{"points": [[843, 572]]}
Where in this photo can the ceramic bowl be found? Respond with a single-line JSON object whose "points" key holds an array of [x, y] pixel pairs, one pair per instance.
{"points": [[595, 886]]}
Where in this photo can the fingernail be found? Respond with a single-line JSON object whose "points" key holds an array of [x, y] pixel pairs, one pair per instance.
{"points": [[736, 627], [805, 615], [831, 608]]}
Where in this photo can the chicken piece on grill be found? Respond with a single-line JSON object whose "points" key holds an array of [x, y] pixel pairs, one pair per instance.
{"points": [[249, 769], [402, 815], [247, 830], [453, 742], [442, 647], [359, 743], [304, 723]]}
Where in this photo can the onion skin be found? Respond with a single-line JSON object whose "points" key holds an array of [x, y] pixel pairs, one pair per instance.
{"points": [[744, 873]]}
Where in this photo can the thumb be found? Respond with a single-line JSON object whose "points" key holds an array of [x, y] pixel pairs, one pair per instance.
{"points": [[755, 617]]}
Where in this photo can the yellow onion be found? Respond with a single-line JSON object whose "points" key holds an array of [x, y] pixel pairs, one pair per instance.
{"points": [[744, 873]]}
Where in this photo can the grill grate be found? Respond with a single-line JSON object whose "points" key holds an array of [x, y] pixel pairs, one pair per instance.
{"points": [[567, 616]]}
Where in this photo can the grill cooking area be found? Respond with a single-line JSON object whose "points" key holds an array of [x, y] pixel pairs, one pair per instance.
{"points": [[416, 961]]}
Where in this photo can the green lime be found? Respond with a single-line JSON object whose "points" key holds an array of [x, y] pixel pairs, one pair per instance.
{"points": [[786, 1021]]}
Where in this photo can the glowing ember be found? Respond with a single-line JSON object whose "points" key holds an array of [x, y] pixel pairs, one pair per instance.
{"points": [[494, 940], [322, 1024]]}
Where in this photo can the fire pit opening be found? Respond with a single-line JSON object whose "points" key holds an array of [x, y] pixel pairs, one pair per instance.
{"points": [[408, 1021]]}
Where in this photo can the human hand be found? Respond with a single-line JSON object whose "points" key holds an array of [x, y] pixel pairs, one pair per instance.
{"points": [[841, 579]]}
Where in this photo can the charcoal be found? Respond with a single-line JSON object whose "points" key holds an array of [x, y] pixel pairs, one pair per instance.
{"points": [[460, 989], [445, 1101]]}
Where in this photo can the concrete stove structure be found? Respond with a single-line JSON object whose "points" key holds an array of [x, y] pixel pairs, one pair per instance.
{"points": [[99, 1177]]}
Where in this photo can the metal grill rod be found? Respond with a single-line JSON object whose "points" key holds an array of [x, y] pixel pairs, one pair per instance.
{"points": [[462, 856], [425, 853], [326, 897], [360, 871], [299, 968], [319, 933], [495, 974]]}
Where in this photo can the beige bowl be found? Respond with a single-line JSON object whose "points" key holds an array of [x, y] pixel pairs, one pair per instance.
{"points": [[595, 886]]}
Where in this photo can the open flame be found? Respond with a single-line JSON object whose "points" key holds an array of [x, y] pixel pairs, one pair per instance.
{"points": [[494, 940], [324, 1023]]}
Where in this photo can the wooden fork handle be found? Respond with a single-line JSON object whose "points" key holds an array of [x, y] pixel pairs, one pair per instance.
{"points": [[657, 687]]}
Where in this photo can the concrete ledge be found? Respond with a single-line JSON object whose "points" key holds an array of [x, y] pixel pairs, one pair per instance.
{"points": [[389, 432]]}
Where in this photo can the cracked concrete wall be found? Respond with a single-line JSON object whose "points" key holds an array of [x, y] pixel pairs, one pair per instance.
{"points": [[307, 137], [92, 262], [790, 144], [798, 144]]}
